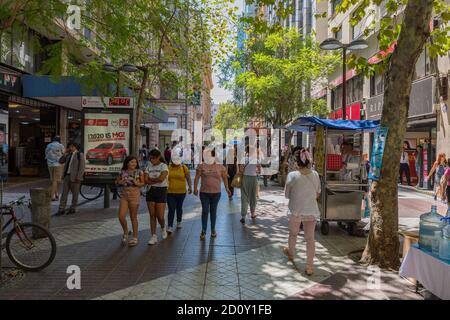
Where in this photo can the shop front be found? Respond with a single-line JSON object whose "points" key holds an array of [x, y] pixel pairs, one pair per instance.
{"points": [[26, 127], [421, 131]]}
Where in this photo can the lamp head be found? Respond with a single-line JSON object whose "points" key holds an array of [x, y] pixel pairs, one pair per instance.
{"points": [[109, 67], [127, 67], [358, 44], [331, 44]]}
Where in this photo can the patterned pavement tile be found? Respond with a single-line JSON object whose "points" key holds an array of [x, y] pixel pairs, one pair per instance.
{"points": [[221, 292], [221, 278], [179, 291]]}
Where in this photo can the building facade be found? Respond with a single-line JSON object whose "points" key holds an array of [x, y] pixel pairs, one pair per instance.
{"points": [[428, 120]]}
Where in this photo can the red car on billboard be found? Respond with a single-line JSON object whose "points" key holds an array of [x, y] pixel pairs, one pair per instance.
{"points": [[107, 153]]}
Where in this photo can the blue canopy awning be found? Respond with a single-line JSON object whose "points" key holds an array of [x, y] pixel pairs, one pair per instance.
{"points": [[305, 123]]}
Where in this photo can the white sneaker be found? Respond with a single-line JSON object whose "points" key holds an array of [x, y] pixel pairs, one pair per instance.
{"points": [[164, 233], [169, 229], [179, 225], [153, 240]]}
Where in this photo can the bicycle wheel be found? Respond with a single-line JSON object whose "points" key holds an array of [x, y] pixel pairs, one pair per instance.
{"points": [[30, 246], [91, 192]]}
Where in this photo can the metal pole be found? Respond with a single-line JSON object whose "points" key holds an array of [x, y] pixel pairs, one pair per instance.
{"points": [[106, 199], [118, 84], [344, 80]]}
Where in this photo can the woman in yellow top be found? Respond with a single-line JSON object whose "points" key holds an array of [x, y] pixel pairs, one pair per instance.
{"points": [[179, 177]]}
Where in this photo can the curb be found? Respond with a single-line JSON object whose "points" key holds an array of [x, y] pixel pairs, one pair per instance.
{"points": [[415, 189]]}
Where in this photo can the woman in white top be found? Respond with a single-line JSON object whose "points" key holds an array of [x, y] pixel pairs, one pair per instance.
{"points": [[302, 189], [249, 184], [156, 176]]}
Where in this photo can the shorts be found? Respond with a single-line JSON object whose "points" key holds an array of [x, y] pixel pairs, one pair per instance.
{"points": [[56, 173], [157, 195], [132, 195]]}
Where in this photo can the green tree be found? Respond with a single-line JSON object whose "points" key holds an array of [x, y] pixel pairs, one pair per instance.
{"points": [[412, 31], [229, 116], [281, 65], [159, 36]]}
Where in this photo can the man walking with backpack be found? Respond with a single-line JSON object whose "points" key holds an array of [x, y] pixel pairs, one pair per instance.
{"points": [[74, 163]]}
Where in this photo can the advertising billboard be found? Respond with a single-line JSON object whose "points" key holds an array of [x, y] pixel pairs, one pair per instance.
{"points": [[107, 134]]}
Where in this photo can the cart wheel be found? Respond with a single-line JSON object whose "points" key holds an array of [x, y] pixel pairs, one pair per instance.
{"points": [[351, 228], [324, 228]]}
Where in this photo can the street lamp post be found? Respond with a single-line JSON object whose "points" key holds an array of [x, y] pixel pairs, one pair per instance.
{"points": [[126, 67], [334, 44]]}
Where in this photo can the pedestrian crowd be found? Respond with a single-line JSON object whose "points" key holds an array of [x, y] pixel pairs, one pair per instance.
{"points": [[166, 181]]}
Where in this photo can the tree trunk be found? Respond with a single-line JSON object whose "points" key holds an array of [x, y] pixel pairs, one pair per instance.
{"points": [[382, 247], [139, 112]]}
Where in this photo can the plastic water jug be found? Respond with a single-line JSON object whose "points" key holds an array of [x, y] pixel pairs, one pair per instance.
{"points": [[429, 223], [444, 245]]}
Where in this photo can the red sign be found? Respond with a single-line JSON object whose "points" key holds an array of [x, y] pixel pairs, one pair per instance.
{"points": [[350, 74], [96, 122], [119, 102], [382, 54], [353, 112]]}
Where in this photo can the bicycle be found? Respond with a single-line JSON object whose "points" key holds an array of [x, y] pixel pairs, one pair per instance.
{"points": [[93, 192], [28, 245]]}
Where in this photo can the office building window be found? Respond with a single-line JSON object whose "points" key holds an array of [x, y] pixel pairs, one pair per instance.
{"points": [[334, 5], [337, 34]]}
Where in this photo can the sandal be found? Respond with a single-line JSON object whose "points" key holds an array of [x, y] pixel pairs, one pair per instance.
{"points": [[309, 271], [213, 234], [286, 253], [202, 236], [124, 240], [253, 216], [133, 242]]}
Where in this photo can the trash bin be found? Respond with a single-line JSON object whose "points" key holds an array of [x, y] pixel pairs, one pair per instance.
{"points": [[40, 208]]}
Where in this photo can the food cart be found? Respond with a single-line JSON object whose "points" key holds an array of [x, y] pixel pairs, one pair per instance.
{"points": [[337, 148]]}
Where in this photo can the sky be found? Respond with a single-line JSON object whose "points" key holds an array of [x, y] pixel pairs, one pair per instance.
{"points": [[219, 94]]}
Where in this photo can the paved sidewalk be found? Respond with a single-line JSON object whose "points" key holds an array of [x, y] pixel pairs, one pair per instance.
{"points": [[243, 262]]}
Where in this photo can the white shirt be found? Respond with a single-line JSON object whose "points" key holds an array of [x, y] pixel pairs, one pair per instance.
{"points": [[302, 190], [155, 172], [404, 158], [251, 165]]}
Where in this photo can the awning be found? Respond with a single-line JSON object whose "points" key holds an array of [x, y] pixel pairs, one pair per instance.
{"points": [[68, 92], [153, 114], [62, 91], [333, 124]]}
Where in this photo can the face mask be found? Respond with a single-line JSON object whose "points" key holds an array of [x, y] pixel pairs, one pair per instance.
{"points": [[176, 162]]}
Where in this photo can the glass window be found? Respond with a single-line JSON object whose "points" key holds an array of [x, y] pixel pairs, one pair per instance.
{"points": [[6, 47], [334, 5], [23, 51], [338, 34], [74, 126]]}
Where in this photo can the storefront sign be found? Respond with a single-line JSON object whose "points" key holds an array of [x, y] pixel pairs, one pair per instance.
{"points": [[425, 162], [107, 102], [377, 153], [350, 74], [420, 101], [10, 82], [353, 112], [107, 141]]}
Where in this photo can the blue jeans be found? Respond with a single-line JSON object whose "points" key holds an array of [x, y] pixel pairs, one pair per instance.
{"points": [[175, 203], [209, 202]]}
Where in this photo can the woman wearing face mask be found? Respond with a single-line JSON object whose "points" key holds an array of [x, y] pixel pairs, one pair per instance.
{"points": [[156, 176], [303, 189], [179, 178]]}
